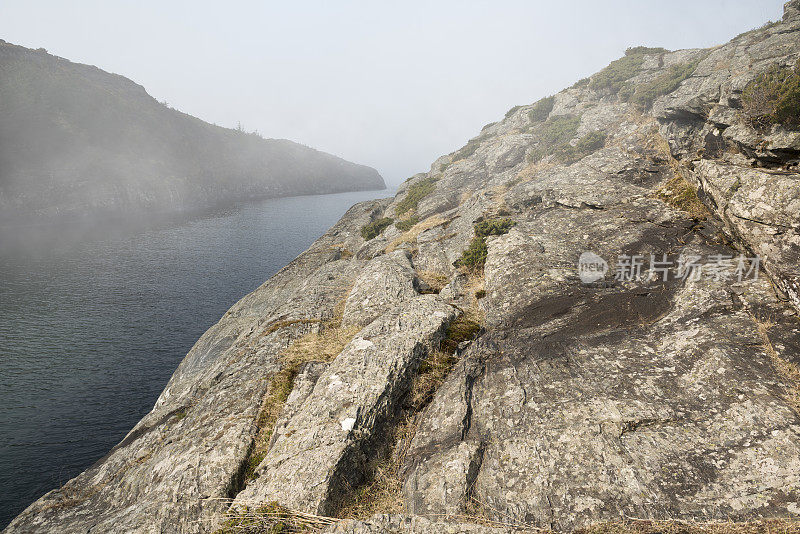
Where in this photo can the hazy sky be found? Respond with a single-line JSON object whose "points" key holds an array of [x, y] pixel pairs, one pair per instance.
{"points": [[391, 85]]}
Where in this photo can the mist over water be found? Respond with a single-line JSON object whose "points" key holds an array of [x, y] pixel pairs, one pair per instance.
{"points": [[92, 330]]}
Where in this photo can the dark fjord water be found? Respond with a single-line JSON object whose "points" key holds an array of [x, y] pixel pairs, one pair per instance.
{"points": [[90, 333]]}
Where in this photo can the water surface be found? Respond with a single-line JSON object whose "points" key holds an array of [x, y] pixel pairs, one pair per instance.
{"points": [[90, 332]]}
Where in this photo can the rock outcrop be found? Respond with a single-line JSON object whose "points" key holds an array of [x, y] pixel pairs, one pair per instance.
{"points": [[665, 387]]}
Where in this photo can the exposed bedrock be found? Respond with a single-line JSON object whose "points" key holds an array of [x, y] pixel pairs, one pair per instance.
{"points": [[560, 403]]}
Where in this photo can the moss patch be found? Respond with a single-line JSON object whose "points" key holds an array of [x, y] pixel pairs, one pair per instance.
{"points": [[644, 95], [375, 228], [619, 71], [415, 193]]}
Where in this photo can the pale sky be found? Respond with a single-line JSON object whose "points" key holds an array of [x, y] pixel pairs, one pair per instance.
{"points": [[392, 86]]}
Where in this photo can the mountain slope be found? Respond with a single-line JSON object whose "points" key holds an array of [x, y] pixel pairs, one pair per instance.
{"points": [[441, 353], [77, 141]]}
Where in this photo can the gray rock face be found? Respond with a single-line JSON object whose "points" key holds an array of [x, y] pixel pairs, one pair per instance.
{"points": [[791, 10], [444, 457], [762, 206], [317, 454], [385, 282], [576, 403]]}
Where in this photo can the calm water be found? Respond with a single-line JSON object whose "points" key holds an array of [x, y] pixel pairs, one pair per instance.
{"points": [[90, 333]]}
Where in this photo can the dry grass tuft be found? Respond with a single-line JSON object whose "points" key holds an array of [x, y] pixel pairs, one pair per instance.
{"points": [[677, 192], [462, 329], [272, 518], [411, 235], [435, 280], [321, 346], [786, 369], [475, 290], [383, 493], [681, 195], [531, 170], [432, 372], [643, 526]]}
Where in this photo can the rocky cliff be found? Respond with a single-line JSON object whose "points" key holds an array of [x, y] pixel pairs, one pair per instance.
{"points": [[475, 364], [76, 141]]}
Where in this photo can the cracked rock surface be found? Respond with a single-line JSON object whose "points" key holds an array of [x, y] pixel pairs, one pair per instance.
{"points": [[575, 403], [321, 448]]}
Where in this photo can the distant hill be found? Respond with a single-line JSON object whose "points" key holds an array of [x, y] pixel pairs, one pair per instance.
{"points": [[76, 141]]}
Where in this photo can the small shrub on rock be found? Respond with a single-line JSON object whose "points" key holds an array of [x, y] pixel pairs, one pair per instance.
{"points": [[374, 229], [555, 133], [406, 224], [586, 145], [468, 149], [512, 111], [623, 69], [474, 257], [644, 95], [541, 109], [774, 98], [493, 227], [415, 193]]}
